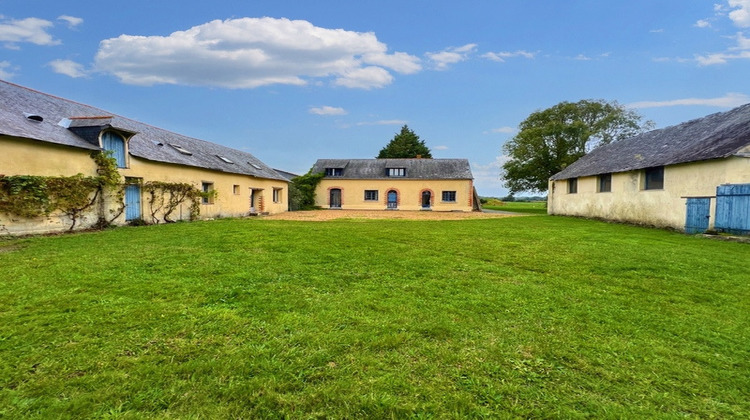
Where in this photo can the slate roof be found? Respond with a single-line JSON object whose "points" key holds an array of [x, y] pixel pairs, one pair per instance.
{"points": [[712, 137], [415, 168], [64, 122]]}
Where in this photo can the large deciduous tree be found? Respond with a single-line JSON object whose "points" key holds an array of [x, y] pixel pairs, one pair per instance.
{"points": [[405, 145], [551, 139]]}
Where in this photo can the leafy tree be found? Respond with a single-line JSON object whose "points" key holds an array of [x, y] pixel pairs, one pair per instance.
{"points": [[405, 145], [551, 139]]}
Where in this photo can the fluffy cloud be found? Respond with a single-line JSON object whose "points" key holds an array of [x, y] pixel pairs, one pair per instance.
{"points": [[31, 30], [703, 23], [327, 110], [252, 52], [730, 100], [740, 51], [4, 70], [502, 56], [741, 13], [72, 20], [443, 59], [68, 68]]}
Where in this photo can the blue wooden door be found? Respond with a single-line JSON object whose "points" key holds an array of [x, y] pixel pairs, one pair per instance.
{"points": [[733, 208], [132, 202], [392, 199], [698, 214]]}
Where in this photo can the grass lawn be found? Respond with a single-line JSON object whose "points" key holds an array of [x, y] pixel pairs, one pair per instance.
{"points": [[533, 207], [513, 317]]}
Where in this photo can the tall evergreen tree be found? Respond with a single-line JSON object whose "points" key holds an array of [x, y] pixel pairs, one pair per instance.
{"points": [[405, 145]]}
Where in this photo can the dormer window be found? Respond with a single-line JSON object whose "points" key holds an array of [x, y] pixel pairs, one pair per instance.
{"points": [[334, 171], [396, 172], [115, 143]]}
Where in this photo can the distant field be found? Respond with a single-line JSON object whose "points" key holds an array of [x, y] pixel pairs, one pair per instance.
{"points": [[510, 317], [534, 207]]}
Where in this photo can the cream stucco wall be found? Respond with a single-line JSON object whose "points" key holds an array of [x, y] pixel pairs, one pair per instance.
{"points": [[409, 193], [230, 201], [629, 202], [30, 157]]}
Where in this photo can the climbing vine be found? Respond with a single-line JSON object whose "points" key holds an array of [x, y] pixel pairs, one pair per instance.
{"points": [[302, 190], [166, 197], [31, 196]]}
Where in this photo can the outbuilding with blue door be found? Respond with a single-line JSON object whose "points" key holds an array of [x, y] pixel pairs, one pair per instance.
{"points": [[694, 177]]}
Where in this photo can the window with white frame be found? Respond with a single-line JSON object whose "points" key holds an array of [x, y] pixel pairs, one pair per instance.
{"points": [[396, 172], [277, 195]]}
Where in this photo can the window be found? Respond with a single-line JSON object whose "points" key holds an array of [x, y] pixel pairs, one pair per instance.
{"points": [[605, 183], [449, 196], [207, 188], [115, 143], [334, 171], [572, 185], [371, 195], [236, 189], [225, 159], [654, 178], [277, 195], [181, 149], [395, 172]]}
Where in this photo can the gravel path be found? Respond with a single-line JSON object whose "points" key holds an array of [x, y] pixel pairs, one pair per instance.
{"points": [[322, 215]]}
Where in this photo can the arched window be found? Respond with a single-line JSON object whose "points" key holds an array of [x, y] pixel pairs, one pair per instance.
{"points": [[115, 143]]}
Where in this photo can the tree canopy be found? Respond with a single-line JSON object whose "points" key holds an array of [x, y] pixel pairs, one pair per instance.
{"points": [[405, 145], [550, 140]]}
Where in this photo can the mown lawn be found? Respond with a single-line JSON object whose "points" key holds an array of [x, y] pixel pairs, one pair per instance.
{"points": [[532, 207], [513, 317]]}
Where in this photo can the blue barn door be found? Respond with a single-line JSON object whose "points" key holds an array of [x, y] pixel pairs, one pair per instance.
{"points": [[698, 213], [733, 208], [132, 202], [392, 199]]}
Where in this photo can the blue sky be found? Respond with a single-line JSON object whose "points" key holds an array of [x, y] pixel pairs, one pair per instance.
{"points": [[294, 81]]}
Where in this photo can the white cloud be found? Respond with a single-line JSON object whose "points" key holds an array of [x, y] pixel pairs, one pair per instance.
{"points": [[68, 68], [730, 100], [441, 147], [72, 20], [441, 60], [327, 110], [703, 23], [741, 13], [383, 122], [581, 57], [31, 30], [5, 70], [252, 52], [365, 78], [487, 177], [657, 31], [502, 56], [501, 130]]}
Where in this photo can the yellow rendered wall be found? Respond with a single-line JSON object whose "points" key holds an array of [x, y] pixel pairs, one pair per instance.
{"points": [[410, 193], [30, 157], [225, 204], [629, 202]]}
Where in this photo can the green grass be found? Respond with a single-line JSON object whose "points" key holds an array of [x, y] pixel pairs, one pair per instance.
{"points": [[534, 207], [514, 317]]}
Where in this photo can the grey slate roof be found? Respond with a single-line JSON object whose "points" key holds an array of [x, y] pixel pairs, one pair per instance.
{"points": [[712, 137], [415, 168], [65, 122]]}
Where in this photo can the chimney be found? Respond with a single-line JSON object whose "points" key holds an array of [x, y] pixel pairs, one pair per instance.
{"points": [[419, 156]]}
